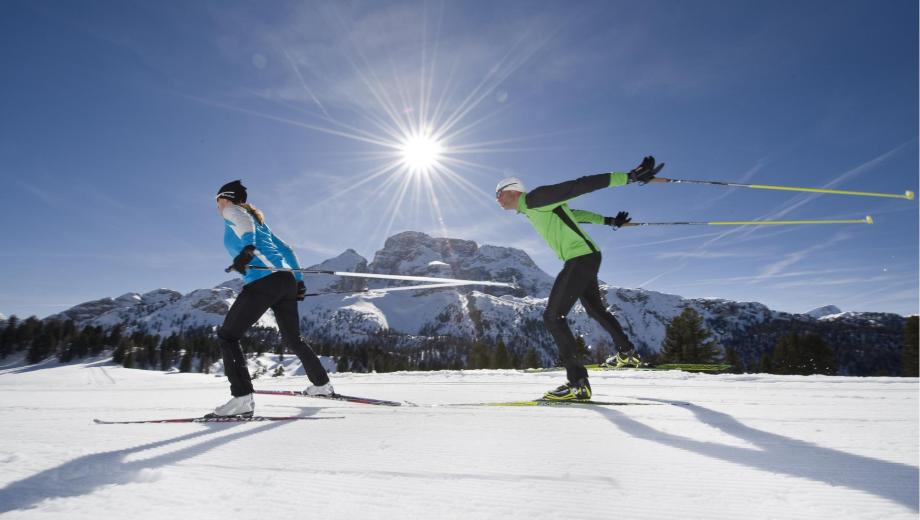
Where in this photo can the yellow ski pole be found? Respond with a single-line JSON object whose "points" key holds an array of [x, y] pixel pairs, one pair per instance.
{"points": [[908, 195], [867, 220]]}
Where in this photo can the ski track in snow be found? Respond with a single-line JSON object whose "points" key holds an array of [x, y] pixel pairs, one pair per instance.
{"points": [[747, 446]]}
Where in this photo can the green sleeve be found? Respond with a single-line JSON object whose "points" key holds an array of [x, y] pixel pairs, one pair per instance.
{"points": [[618, 179], [587, 217]]}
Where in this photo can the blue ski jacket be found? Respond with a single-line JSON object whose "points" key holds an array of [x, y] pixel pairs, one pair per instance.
{"points": [[243, 230]]}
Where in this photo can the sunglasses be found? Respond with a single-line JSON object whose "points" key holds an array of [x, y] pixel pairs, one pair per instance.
{"points": [[498, 192]]}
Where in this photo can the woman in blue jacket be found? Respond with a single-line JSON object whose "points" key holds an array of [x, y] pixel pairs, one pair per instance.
{"points": [[251, 243]]}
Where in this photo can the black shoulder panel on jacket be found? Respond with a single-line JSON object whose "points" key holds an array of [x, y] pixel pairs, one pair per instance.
{"points": [[554, 193]]}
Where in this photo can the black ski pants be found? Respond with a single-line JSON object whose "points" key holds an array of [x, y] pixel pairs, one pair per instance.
{"points": [[578, 281], [278, 292]]}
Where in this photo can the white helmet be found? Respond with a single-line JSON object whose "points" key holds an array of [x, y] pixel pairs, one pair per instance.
{"points": [[509, 183]]}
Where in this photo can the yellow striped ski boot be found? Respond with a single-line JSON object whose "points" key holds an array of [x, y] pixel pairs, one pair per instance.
{"points": [[577, 391], [626, 359]]}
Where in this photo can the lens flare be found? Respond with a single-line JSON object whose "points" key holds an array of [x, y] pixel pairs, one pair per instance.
{"points": [[417, 115], [421, 153]]}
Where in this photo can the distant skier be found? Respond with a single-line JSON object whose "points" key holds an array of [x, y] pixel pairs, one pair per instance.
{"points": [[250, 242], [547, 209]]}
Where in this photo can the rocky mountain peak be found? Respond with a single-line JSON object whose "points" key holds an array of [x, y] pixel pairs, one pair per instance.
{"points": [[350, 261], [821, 312], [418, 254]]}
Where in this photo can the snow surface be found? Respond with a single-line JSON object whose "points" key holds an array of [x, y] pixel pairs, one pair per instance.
{"points": [[747, 446]]}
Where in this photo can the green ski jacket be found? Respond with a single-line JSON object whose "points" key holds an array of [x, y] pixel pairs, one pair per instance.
{"points": [[548, 211]]}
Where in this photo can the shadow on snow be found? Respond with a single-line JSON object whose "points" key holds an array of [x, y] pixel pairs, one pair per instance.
{"points": [[83, 475], [889, 480]]}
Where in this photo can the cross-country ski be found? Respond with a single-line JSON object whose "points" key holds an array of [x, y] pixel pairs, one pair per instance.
{"points": [[550, 402], [332, 397], [219, 419]]}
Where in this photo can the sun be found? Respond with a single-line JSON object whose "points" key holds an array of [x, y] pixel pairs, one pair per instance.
{"points": [[421, 153]]}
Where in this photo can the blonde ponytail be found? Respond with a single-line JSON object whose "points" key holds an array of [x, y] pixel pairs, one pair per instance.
{"points": [[254, 211]]}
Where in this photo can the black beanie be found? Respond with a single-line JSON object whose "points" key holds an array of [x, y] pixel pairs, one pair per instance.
{"points": [[233, 191]]}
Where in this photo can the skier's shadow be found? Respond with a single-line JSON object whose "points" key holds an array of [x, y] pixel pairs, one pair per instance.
{"points": [[775, 453], [83, 475]]}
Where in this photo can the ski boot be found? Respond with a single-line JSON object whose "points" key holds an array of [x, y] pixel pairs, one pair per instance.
{"points": [[579, 390], [242, 406], [624, 359], [321, 390]]}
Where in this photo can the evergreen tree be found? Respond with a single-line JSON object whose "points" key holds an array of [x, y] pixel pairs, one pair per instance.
{"points": [[79, 346], [500, 358], [600, 353], [342, 364], [30, 329], [115, 336], [479, 356], [40, 348], [129, 359], [766, 364], [531, 359], [8, 337], [68, 330], [54, 329], [909, 355], [581, 350], [515, 361], [66, 354], [817, 356], [803, 355], [118, 355], [787, 355], [205, 363], [687, 341], [732, 358], [96, 340], [168, 350], [185, 365]]}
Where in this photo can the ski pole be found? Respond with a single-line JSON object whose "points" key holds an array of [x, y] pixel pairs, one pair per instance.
{"points": [[393, 289], [867, 220], [908, 195], [383, 276]]}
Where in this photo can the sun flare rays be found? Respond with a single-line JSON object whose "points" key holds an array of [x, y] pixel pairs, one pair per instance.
{"points": [[414, 113]]}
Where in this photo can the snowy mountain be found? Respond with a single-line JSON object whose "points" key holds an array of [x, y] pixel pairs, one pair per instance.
{"points": [[821, 312], [868, 341], [162, 311], [413, 253]]}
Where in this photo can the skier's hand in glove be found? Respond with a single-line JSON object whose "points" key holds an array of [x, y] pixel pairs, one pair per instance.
{"points": [[618, 221], [242, 260], [301, 290], [645, 172]]}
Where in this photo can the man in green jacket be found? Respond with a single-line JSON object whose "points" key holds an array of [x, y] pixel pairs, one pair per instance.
{"points": [[548, 211]]}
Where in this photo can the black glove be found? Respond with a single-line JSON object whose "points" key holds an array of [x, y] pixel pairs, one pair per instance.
{"points": [[617, 221], [645, 171], [242, 260], [301, 290]]}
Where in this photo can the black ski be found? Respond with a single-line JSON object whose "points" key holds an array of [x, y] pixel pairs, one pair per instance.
{"points": [[333, 397], [231, 419]]}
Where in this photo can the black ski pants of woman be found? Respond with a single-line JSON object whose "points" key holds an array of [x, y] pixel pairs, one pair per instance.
{"points": [[578, 281], [278, 292]]}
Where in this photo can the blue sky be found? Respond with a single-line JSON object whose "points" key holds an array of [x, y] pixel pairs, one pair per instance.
{"points": [[119, 120]]}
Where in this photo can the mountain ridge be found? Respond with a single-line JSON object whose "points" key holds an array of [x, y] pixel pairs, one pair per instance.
{"points": [[490, 314]]}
